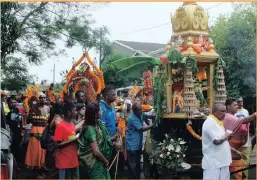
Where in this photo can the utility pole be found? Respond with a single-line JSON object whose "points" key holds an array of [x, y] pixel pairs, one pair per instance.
{"points": [[53, 74]]}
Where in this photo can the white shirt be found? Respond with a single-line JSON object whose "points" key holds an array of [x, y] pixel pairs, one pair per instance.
{"points": [[244, 113], [214, 156]]}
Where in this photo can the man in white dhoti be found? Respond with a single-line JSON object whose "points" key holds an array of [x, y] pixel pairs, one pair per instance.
{"points": [[215, 147]]}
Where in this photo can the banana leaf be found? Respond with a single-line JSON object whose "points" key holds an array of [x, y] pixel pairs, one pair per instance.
{"points": [[135, 66], [178, 60], [175, 56]]}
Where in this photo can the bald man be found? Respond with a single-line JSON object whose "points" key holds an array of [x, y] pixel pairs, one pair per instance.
{"points": [[215, 147], [134, 138]]}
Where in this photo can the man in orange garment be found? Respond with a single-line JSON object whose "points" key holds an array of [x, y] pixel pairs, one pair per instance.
{"points": [[239, 136]]}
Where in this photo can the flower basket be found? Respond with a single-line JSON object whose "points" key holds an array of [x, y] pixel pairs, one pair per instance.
{"points": [[169, 155]]}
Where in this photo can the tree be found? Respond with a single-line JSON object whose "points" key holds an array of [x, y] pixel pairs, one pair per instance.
{"points": [[103, 45], [33, 28], [235, 40], [58, 87], [15, 76]]}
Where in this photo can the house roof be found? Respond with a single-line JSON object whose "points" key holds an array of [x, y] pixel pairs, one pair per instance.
{"points": [[142, 47], [131, 48]]}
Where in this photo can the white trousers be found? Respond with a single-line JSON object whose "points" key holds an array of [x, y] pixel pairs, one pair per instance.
{"points": [[214, 174]]}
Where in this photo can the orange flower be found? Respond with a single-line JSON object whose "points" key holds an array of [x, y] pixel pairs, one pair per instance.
{"points": [[192, 132], [201, 75], [146, 107], [122, 126]]}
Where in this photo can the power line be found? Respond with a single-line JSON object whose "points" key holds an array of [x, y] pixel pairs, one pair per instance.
{"points": [[146, 29], [215, 5], [157, 26]]}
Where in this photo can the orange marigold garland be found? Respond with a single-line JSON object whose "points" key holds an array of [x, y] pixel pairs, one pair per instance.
{"points": [[26, 104], [122, 126], [192, 132], [146, 107], [133, 92], [74, 66], [99, 86], [98, 71]]}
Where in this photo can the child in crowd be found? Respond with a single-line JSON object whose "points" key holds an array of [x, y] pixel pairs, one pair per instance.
{"points": [[66, 158]]}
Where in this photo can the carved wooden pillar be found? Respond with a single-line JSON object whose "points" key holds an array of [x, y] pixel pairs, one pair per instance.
{"points": [[210, 90], [169, 88]]}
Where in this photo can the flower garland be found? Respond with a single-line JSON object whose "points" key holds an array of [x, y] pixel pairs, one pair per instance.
{"points": [[146, 107], [192, 132], [201, 75], [69, 74], [98, 71], [133, 92], [26, 104], [122, 126], [99, 85]]}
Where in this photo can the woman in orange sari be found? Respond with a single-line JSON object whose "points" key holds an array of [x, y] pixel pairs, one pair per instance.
{"points": [[38, 116]]}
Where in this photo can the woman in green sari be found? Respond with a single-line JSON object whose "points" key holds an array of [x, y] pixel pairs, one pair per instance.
{"points": [[95, 145]]}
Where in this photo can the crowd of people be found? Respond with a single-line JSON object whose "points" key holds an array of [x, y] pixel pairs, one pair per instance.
{"points": [[77, 139]]}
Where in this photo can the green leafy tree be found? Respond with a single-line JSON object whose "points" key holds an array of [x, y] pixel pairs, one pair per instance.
{"points": [[103, 45], [58, 87], [33, 28], [235, 40], [15, 75]]}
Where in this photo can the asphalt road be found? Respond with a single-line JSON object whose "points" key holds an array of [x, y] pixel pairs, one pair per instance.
{"points": [[25, 173]]}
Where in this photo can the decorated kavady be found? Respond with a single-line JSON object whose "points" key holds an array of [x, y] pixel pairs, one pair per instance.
{"points": [[84, 76]]}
